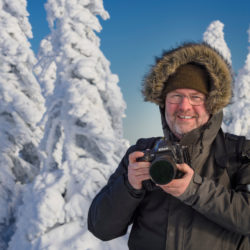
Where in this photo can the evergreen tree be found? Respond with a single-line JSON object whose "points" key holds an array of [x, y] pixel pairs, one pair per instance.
{"points": [[239, 124], [214, 36], [82, 143], [237, 112], [21, 107]]}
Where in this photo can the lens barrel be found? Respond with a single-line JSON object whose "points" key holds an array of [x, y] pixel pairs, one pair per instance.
{"points": [[162, 170]]}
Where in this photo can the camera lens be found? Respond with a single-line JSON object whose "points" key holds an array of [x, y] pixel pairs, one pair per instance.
{"points": [[162, 170]]}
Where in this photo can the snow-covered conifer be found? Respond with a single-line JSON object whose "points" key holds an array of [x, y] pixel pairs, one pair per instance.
{"points": [[21, 107], [240, 109], [82, 143], [214, 36]]}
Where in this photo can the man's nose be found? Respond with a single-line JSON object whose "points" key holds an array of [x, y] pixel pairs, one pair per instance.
{"points": [[185, 104]]}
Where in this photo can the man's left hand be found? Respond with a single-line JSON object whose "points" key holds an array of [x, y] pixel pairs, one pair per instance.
{"points": [[178, 186]]}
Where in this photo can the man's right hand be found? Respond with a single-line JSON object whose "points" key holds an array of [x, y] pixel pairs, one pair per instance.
{"points": [[137, 171]]}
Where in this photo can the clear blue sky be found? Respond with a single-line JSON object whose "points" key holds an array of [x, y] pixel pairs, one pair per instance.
{"points": [[137, 31]]}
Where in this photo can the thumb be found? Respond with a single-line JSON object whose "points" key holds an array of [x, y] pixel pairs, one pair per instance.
{"points": [[183, 167]]}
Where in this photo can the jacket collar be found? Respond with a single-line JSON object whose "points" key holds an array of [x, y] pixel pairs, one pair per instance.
{"points": [[206, 133]]}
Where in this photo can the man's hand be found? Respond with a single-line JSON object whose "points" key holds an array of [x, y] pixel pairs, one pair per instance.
{"points": [[137, 171], [178, 186]]}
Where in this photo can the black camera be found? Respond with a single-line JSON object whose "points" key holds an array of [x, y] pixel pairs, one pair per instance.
{"points": [[164, 157]]}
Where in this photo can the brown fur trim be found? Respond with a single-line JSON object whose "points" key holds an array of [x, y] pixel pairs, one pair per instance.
{"points": [[218, 68]]}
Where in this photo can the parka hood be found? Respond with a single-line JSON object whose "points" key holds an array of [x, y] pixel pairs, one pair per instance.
{"points": [[219, 71]]}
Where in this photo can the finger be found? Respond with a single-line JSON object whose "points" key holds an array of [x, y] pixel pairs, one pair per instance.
{"points": [[139, 165], [133, 156], [143, 177], [174, 184], [183, 167], [171, 189], [140, 171]]}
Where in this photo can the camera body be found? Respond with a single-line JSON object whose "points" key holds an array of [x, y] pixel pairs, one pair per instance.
{"points": [[163, 158]]}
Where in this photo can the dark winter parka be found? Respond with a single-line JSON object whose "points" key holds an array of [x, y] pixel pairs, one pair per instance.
{"points": [[213, 212]]}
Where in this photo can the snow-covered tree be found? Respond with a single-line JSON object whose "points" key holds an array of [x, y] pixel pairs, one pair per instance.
{"points": [[237, 112], [82, 143], [214, 36], [240, 109], [21, 107]]}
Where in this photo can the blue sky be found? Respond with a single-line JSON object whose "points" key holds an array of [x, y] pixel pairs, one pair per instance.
{"points": [[137, 31]]}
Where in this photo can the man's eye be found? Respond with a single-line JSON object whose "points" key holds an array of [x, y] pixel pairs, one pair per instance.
{"points": [[177, 96], [195, 97]]}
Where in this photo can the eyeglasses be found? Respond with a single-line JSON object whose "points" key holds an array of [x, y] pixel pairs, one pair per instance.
{"points": [[194, 100]]}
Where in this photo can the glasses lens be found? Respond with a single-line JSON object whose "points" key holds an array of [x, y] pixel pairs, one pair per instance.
{"points": [[177, 98], [174, 98], [196, 100]]}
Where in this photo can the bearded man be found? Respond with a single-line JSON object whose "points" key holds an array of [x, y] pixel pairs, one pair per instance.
{"points": [[208, 205]]}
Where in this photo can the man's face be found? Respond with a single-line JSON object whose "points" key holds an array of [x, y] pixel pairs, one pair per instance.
{"points": [[183, 117]]}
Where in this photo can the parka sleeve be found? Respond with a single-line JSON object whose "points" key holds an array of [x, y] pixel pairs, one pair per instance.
{"points": [[113, 208], [230, 208]]}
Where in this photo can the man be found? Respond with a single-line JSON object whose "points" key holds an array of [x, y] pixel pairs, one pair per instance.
{"points": [[208, 207]]}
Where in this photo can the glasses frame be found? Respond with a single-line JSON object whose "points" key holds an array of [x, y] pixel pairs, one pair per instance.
{"points": [[188, 97]]}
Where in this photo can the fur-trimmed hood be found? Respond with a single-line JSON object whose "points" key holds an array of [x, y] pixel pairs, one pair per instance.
{"points": [[218, 68]]}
